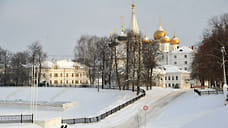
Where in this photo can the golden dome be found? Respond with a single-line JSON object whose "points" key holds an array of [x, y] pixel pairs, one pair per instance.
{"points": [[159, 33], [165, 39], [146, 40], [174, 40]]}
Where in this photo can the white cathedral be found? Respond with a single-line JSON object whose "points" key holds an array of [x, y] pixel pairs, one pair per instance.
{"points": [[174, 62]]}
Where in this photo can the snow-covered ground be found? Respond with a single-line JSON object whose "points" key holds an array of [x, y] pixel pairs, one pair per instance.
{"points": [[168, 108], [89, 102]]}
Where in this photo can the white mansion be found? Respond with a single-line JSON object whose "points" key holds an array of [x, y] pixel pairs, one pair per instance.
{"points": [[64, 73]]}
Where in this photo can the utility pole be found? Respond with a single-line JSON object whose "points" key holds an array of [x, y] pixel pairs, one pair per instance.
{"points": [[225, 87]]}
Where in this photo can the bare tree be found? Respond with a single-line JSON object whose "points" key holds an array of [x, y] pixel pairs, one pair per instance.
{"points": [[20, 73], [5, 56], [149, 55], [86, 52], [207, 62], [37, 55]]}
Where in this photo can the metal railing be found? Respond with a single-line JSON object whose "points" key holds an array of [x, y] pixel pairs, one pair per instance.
{"points": [[208, 92], [16, 118], [104, 115]]}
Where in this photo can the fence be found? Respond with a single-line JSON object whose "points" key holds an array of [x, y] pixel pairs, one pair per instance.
{"points": [[16, 118], [208, 92], [104, 115]]}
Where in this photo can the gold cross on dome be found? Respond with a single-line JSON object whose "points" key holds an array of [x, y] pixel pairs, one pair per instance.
{"points": [[122, 22], [160, 21], [115, 30]]}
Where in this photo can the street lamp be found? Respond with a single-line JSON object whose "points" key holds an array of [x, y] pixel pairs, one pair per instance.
{"points": [[225, 87]]}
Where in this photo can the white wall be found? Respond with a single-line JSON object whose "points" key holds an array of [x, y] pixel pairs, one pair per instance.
{"points": [[181, 60]]}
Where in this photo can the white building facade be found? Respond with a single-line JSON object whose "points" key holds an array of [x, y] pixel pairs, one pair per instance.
{"points": [[64, 73]]}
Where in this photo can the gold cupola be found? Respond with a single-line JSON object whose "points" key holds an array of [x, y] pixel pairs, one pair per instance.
{"points": [[159, 33], [146, 40], [174, 40], [165, 39]]}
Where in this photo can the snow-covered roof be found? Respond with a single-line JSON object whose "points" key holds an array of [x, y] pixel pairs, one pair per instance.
{"points": [[47, 64], [158, 70], [65, 64], [173, 69], [62, 64], [183, 49]]}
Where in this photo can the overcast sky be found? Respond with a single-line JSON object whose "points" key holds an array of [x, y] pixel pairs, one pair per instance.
{"points": [[58, 24]]}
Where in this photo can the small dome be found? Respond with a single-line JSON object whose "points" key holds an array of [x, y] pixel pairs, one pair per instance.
{"points": [[174, 40], [159, 33], [146, 40], [122, 36], [165, 39], [55, 67]]}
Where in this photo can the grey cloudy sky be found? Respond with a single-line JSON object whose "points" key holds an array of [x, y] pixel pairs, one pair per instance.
{"points": [[58, 24]]}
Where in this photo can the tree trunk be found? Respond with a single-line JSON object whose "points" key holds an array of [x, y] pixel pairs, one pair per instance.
{"points": [[139, 68]]}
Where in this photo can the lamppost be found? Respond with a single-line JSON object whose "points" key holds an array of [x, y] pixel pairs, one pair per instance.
{"points": [[225, 87]]}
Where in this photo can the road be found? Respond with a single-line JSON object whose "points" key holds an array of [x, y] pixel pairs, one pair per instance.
{"points": [[139, 119], [133, 116]]}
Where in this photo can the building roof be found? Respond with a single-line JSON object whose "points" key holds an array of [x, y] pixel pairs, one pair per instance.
{"points": [[183, 50], [62, 64], [173, 69]]}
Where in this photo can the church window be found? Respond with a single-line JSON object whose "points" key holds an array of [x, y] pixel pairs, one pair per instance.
{"points": [[169, 77], [177, 85], [56, 82], [76, 75], [165, 78], [176, 77], [56, 75], [186, 62], [172, 77]]}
